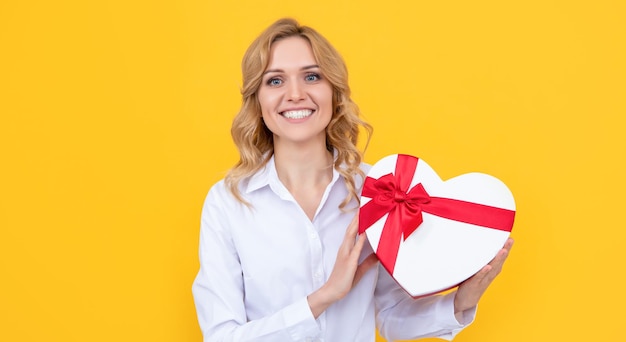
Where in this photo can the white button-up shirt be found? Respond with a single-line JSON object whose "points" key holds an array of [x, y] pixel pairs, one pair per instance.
{"points": [[259, 264]]}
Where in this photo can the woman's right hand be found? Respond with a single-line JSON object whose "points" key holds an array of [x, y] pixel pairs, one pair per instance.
{"points": [[346, 273]]}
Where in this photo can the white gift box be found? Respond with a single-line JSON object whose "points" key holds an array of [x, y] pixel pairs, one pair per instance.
{"points": [[430, 234]]}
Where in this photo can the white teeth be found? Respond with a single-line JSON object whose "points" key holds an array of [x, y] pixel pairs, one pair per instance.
{"points": [[297, 114]]}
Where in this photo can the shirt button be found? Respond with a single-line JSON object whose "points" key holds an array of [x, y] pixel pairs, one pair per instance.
{"points": [[318, 275], [313, 236]]}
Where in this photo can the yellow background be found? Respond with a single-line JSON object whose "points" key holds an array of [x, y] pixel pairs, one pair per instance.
{"points": [[115, 120]]}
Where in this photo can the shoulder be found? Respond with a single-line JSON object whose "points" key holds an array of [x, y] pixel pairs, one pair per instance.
{"points": [[219, 195], [221, 208], [216, 195], [358, 178], [218, 189], [365, 167]]}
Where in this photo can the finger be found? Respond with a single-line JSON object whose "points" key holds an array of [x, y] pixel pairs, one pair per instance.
{"points": [[502, 254], [481, 275], [508, 244], [349, 245], [499, 259], [349, 238], [353, 227], [358, 246], [497, 264]]}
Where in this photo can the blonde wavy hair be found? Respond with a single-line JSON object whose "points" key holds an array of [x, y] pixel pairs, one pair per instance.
{"points": [[255, 141]]}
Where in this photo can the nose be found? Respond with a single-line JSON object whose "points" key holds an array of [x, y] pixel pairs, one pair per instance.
{"points": [[295, 91]]}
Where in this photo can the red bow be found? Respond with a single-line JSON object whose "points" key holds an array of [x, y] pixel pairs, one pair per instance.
{"points": [[390, 194]]}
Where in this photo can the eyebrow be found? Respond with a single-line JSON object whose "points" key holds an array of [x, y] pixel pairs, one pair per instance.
{"points": [[314, 66]]}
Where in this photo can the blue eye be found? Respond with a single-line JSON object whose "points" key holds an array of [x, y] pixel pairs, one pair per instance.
{"points": [[274, 82], [312, 77]]}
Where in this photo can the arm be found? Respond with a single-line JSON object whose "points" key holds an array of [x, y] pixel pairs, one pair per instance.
{"points": [[472, 289], [401, 317], [442, 316]]}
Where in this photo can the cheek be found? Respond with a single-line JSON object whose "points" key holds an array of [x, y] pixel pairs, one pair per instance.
{"points": [[265, 101], [324, 96]]}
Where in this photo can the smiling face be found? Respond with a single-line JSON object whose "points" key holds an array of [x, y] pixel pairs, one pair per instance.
{"points": [[295, 98]]}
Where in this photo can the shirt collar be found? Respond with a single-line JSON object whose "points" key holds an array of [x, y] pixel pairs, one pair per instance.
{"points": [[263, 176]]}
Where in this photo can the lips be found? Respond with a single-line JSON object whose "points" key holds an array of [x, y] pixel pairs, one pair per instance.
{"points": [[297, 114]]}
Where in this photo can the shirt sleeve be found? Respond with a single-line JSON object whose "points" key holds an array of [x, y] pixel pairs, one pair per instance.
{"points": [[401, 317], [218, 288]]}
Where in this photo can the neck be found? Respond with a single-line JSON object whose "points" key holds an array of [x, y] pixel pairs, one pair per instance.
{"points": [[302, 166]]}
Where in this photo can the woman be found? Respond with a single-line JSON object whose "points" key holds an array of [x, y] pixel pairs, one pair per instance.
{"points": [[279, 253]]}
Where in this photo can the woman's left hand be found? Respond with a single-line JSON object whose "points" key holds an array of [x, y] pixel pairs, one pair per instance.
{"points": [[470, 291]]}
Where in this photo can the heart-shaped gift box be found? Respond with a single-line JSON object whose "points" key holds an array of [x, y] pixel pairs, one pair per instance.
{"points": [[430, 234]]}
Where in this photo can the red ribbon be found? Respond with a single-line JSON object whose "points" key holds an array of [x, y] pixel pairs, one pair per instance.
{"points": [[390, 194]]}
